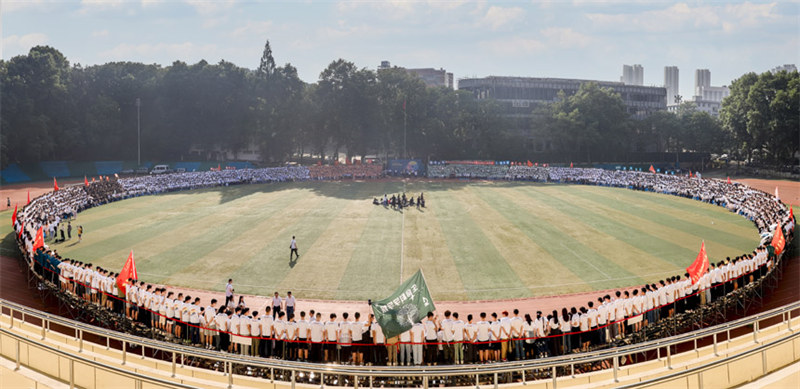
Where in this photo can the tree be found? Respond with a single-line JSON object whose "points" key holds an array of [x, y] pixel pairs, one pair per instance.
{"points": [[266, 67]]}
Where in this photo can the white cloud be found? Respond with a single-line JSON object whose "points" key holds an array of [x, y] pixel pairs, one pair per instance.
{"points": [[99, 33], [150, 52], [446, 4], [258, 28], [150, 3], [393, 9], [16, 44], [683, 16], [99, 5], [566, 37], [207, 7], [513, 46], [497, 17], [17, 5]]}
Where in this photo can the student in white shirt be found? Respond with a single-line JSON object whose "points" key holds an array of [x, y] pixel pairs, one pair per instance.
{"points": [[457, 338], [417, 339], [222, 321], [316, 332], [255, 332], [406, 357], [302, 337], [331, 334], [279, 331], [267, 321], [505, 335], [470, 337], [482, 338], [209, 325], [431, 338], [517, 334], [357, 337]]}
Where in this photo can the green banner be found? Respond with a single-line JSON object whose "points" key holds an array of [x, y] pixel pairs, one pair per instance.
{"points": [[407, 305]]}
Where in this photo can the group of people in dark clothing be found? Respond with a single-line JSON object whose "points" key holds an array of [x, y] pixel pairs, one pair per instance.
{"points": [[400, 201]]}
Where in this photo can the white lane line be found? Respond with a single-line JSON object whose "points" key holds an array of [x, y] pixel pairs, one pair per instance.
{"points": [[585, 261]]}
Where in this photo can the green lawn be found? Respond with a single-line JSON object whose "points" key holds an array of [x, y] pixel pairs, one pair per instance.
{"points": [[473, 241]]}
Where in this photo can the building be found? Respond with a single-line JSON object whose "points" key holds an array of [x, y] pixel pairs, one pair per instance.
{"points": [[519, 97], [430, 76], [434, 77], [708, 98], [632, 75], [672, 84], [702, 78], [787, 67]]}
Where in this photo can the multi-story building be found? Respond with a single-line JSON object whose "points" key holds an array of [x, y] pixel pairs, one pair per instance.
{"points": [[632, 75], [519, 96], [430, 76], [708, 98], [672, 84], [702, 78]]}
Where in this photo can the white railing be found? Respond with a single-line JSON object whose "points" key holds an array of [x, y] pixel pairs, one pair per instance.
{"points": [[662, 347]]}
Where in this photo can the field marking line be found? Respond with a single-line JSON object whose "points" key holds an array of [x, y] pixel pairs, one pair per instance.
{"points": [[402, 237], [585, 261]]}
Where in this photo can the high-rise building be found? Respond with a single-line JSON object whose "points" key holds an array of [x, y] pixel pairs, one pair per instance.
{"points": [[671, 82], [787, 67], [632, 75], [702, 78]]}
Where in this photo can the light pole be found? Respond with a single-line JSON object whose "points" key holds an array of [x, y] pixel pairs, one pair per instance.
{"points": [[138, 134]]}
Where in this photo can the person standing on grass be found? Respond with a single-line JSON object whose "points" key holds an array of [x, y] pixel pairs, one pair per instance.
{"points": [[293, 247], [229, 292], [69, 230], [80, 233]]}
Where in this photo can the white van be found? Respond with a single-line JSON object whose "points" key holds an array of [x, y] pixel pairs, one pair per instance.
{"points": [[160, 169]]}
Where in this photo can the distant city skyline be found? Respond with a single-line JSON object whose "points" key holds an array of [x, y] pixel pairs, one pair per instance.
{"points": [[581, 39]]}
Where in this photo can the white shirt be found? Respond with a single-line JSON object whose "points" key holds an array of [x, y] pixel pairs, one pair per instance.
{"points": [[377, 333], [316, 331], [447, 328], [229, 290], [483, 331], [516, 326], [331, 327], [276, 301], [266, 325], [418, 333], [289, 301], [357, 330], [302, 329], [457, 331], [505, 324]]}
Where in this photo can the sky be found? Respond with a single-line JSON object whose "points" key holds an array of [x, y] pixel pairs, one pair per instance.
{"points": [[582, 39]]}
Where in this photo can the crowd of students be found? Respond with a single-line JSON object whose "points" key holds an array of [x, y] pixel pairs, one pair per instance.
{"points": [[272, 332], [342, 171], [161, 183]]}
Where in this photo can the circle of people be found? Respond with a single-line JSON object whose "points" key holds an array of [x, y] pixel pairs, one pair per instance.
{"points": [[279, 331]]}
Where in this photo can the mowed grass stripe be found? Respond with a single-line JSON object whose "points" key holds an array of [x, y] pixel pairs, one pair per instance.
{"points": [[480, 265], [638, 261], [641, 219], [255, 271], [328, 255], [109, 215], [582, 260], [668, 257], [425, 249], [366, 275], [169, 264], [632, 206], [701, 213], [532, 263], [104, 246]]}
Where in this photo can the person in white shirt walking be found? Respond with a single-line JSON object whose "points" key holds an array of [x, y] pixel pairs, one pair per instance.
{"points": [[293, 248]]}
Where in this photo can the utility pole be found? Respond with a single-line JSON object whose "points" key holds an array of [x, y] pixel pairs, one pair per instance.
{"points": [[138, 134]]}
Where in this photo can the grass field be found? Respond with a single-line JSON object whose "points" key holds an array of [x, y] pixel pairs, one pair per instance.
{"points": [[474, 241]]}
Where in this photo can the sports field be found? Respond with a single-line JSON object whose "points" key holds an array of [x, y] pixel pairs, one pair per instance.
{"points": [[474, 241]]}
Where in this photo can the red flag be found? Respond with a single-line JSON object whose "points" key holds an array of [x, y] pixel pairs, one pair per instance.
{"points": [[791, 213], [729, 179], [652, 169], [29, 197], [778, 240], [39, 241], [777, 196], [128, 271], [14, 215], [55, 184], [699, 266], [21, 228], [536, 164], [570, 165], [85, 181], [92, 180], [106, 178], [219, 167], [529, 163]]}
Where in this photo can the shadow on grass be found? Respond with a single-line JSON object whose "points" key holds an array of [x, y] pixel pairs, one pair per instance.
{"points": [[8, 246]]}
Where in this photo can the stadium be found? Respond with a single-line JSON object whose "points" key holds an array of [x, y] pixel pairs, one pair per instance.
{"points": [[453, 194]]}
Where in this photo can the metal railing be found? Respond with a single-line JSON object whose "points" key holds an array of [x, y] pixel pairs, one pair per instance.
{"points": [[290, 371]]}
